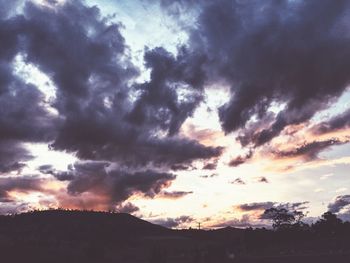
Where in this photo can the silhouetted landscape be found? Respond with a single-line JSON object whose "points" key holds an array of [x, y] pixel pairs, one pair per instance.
{"points": [[86, 236]]}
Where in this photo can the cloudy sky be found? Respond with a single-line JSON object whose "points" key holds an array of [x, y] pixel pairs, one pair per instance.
{"points": [[176, 111]]}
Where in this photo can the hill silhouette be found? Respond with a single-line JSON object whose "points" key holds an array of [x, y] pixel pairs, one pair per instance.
{"points": [[80, 225], [85, 236], [74, 236]]}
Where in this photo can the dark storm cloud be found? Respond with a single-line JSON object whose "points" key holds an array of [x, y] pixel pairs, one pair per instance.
{"points": [[67, 175], [9, 7], [172, 151], [101, 115], [98, 111], [123, 185], [295, 206], [161, 101], [173, 222], [13, 207], [174, 194], [249, 133], [177, 167], [128, 208], [12, 156], [262, 206], [210, 165], [71, 69], [240, 159], [309, 151], [337, 122], [339, 203], [21, 184], [255, 206], [23, 117], [291, 52], [238, 181], [83, 55], [100, 178], [262, 179], [101, 121], [209, 176]]}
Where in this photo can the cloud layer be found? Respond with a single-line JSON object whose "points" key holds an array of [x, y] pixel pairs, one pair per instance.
{"points": [[294, 53], [282, 63], [99, 111]]}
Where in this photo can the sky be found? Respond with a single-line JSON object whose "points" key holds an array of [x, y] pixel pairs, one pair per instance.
{"points": [[178, 112]]}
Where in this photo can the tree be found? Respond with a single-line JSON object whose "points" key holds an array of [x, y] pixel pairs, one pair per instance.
{"points": [[330, 219], [328, 224], [282, 218]]}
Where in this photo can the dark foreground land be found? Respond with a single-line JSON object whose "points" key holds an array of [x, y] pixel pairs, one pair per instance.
{"points": [[84, 237]]}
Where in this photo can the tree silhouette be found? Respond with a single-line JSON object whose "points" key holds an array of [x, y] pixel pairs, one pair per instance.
{"points": [[282, 218], [330, 219], [329, 224]]}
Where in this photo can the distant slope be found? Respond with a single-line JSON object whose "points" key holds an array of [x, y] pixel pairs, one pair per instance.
{"points": [[79, 225], [58, 236]]}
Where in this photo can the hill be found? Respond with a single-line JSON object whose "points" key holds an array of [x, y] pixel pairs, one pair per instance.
{"points": [[79, 225], [58, 236], [74, 236], [84, 236]]}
